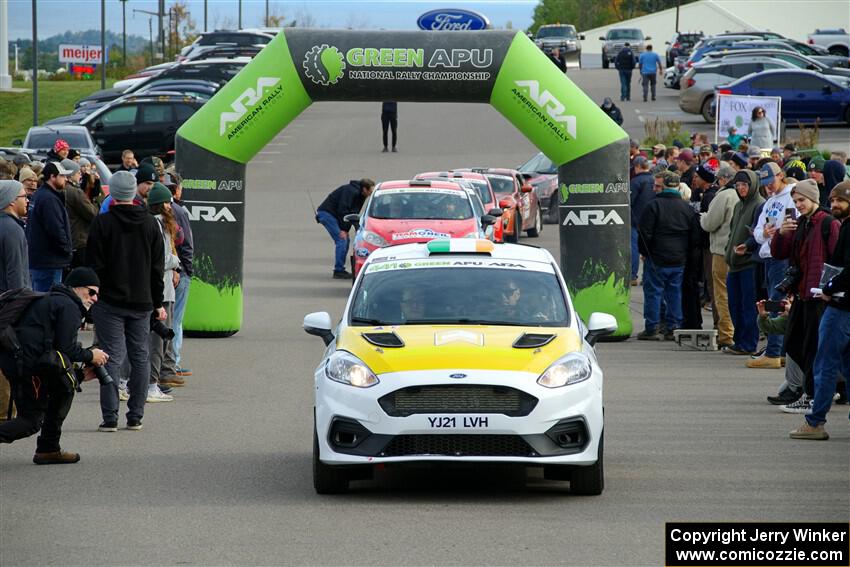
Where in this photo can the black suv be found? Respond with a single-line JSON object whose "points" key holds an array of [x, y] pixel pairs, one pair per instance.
{"points": [[145, 124], [681, 45]]}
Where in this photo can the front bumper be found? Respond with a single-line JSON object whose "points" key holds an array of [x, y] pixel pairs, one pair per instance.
{"points": [[562, 426]]}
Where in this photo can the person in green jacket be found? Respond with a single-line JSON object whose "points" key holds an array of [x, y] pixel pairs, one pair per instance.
{"points": [[740, 281], [734, 138]]}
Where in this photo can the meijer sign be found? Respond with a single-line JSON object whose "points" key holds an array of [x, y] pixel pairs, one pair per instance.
{"points": [[79, 53]]}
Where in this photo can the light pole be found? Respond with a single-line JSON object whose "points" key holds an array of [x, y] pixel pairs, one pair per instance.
{"points": [[123, 32], [239, 26], [150, 30], [267, 13], [34, 63], [102, 44], [205, 15], [161, 14]]}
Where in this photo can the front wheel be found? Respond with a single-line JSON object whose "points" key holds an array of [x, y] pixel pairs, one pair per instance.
{"points": [[706, 110], [552, 213], [327, 479], [604, 62], [589, 480], [535, 231]]}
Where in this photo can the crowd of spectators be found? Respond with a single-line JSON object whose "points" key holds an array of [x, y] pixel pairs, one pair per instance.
{"points": [[754, 236], [135, 235]]}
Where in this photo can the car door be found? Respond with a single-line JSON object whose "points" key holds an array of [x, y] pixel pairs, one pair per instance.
{"points": [[154, 126], [774, 84], [114, 131], [816, 98]]}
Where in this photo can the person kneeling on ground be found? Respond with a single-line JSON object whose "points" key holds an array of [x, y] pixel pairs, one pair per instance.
{"points": [[43, 398]]}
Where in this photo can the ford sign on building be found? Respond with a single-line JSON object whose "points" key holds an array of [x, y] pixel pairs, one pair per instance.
{"points": [[451, 19]]}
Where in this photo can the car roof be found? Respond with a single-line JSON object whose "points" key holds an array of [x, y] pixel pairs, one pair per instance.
{"points": [[452, 175], [58, 127], [795, 71], [416, 183], [500, 252]]}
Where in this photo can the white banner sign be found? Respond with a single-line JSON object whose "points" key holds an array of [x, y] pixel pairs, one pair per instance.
{"points": [[737, 111], [80, 54]]}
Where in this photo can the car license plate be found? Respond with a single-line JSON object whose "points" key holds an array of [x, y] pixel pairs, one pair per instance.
{"points": [[459, 422]]}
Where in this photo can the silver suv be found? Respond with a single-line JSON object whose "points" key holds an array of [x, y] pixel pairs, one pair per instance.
{"points": [[562, 36], [616, 40]]}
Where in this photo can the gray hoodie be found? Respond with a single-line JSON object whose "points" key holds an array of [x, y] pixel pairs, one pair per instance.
{"points": [[743, 220]]}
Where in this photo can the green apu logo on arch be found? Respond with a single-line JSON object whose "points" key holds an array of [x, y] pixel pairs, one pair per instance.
{"points": [[324, 64]]}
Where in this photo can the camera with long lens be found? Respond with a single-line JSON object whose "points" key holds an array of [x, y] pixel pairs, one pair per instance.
{"points": [[102, 375], [790, 281], [161, 329]]}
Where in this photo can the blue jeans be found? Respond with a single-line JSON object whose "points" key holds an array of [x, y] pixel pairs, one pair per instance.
{"points": [[181, 293], [648, 81], [833, 356], [123, 334], [741, 287], [340, 244], [635, 253], [43, 279], [625, 84], [661, 281], [774, 271]]}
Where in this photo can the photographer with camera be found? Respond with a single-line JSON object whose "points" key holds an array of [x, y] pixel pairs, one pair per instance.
{"points": [[43, 382], [807, 238]]}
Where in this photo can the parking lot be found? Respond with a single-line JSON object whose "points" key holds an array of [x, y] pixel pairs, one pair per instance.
{"points": [[223, 474]]}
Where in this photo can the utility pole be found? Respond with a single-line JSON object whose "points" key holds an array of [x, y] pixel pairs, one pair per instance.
{"points": [[239, 26], [102, 44], [150, 36], [123, 33], [205, 15], [267, 13], [34, 63], [678, 4], [161, 14]]}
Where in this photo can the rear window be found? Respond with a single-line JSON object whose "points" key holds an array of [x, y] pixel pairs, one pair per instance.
{"points": [[501, 183], [46, 139]]}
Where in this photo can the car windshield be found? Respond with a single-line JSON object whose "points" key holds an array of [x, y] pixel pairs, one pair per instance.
{"points": [[538, 164], [481, 188], [416, 203], [556, 31], [416, 293], [46, 139], [501, 183], [625, 34]]}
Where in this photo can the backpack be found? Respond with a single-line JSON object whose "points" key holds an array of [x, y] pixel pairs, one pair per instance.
{"points": [[13, 303]]}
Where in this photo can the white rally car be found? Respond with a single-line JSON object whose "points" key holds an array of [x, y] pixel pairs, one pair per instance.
{"points": [[459, 350]]}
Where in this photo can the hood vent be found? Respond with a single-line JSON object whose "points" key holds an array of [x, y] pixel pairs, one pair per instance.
{"points": [[533, 340], [385, 340]]}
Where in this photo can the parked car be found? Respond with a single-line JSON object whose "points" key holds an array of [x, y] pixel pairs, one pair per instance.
{"points": [[766, 34], [479, 184], [542, 175], [616, 39], [791, 57], [801, 48], [521, 209], [240, 38], [562, 36], [145, 123], [712, 44], [42, 138], [108, 95], [681, 45], [836, 41], [226, 52], [806, 96], [699, 82]]}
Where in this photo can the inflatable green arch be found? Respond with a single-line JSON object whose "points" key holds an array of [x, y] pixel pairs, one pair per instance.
{"points": [[502, 68]]}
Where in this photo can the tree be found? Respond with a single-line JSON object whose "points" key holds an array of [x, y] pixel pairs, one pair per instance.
{"points": [[181, 30]]}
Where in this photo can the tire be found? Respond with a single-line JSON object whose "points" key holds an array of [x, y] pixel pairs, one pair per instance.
{"points": [[535, 231], [706, 110], [514, 238], [327, 479], [552, 214], [605, 63], [838, 50], [589, 480], [579, 59]]}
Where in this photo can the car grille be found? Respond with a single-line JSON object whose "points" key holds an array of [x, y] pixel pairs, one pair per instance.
{"points": [[462, 398], [458, 446]]}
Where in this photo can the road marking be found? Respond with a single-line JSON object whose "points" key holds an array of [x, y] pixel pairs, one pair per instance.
{"points": [[265, 153], [278, 144]]}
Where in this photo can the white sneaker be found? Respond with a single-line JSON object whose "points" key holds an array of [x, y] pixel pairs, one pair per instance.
{"points": [[802, 406], [156, 395], [123, 391]]}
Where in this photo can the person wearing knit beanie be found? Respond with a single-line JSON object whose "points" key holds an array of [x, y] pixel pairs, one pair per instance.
{"points": [[841, 191], [808, 189]]}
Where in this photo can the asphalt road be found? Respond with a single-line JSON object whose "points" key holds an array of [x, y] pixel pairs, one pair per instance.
{"points": [[222, 475]]}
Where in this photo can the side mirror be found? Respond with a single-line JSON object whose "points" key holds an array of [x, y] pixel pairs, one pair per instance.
{"points": [[98, 126], [495, 212], [581, 36], [319, 324], [526, 188], [487, 220], [647, 38], [600, 325], [601, 38], [504, 204], [352, 219], [18, 142]]}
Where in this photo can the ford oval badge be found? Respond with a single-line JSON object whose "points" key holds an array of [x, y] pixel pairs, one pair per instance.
{"points": [[458, 376], [452, 19]]}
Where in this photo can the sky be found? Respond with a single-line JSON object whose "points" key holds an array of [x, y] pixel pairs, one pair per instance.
{"points": [[59, 16]]}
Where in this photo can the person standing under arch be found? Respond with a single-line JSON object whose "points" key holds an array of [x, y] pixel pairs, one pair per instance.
{"points": [[389, 119]]}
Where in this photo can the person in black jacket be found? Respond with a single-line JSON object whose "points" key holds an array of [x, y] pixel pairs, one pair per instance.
{"points": [[127, 250], [344, 200], [834, 331], [389, 118], [556, 58], [49, 230], [641, 193], [625, 63], [612, 110], [668, 233], [43, 401]]}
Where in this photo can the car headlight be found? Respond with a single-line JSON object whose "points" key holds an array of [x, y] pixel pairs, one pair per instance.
{"points": [[571, 369], [374, 239], [346, 368]]}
